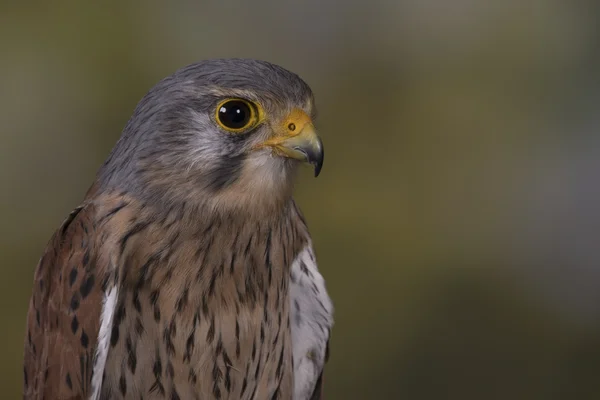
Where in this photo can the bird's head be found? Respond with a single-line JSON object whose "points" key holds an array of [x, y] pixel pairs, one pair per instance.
{"points": [[228, 132]]}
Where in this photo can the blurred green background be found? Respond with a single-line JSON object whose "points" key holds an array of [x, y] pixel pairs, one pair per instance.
{"points": [[457, 218]]}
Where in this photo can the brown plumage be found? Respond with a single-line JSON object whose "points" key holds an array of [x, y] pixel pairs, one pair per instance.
{"points": [[188, 272]]}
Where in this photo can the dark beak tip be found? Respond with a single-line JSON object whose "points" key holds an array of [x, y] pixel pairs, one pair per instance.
{"points": [[317, 169], [315, 158], [318, 163]]}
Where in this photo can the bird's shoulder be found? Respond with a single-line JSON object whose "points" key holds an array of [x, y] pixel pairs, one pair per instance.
{"points": [[311, 320], [65, 307]]}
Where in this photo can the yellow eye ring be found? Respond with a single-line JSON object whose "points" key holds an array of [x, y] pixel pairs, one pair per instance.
{"points": [[236, 115]]}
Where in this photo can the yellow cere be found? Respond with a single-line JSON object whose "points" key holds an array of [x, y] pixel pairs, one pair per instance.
{"points": [[295, 122]]}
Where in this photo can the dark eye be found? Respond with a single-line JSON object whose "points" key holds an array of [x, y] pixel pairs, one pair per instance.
{"points": [[235, 115]]}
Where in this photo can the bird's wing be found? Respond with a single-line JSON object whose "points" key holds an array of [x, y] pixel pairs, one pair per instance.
{"points": [[64, 311], [311, 319]]}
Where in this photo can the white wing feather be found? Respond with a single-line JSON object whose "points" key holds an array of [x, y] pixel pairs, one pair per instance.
{"points": [[311, 316]]}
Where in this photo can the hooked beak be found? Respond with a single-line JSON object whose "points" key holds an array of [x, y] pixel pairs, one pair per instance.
{"points": [[298, 139]]}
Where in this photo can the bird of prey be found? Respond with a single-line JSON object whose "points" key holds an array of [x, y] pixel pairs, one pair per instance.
{"points": [[188, 272]]}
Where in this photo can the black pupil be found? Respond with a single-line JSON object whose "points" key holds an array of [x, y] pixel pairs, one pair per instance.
{"points": [[234, 114]]}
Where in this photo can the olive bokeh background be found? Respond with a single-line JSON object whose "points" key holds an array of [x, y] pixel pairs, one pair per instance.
{"points": [[457, 216]]}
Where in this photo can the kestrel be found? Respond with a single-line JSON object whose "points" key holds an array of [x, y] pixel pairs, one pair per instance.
{"points": [[188, 272]]}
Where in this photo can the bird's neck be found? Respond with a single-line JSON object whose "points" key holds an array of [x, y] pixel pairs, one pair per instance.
{"points": [[184, 247]]}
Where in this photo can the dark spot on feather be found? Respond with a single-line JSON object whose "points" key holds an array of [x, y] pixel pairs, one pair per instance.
{"points": [[314, 288], [219, 347], [210, 335], [137, 228], [86, 286], [257, 370], [154, 302], [123, 385], [72, 276], [268, 249], [120, 314], [154, 297], [173, 327], [86, 258], [303, 268], [112, 212], [192, 376], [145, 269], [189, 346], [280, 363], [278, 329], [244, 385], [266, 307], [74, 324], [131, 356], [174, 395], [182, 301], [69, 382], [84, 339], [136, 301], [157, 386], [227, 363], [157, 370], [167, 337], [139, 328], [74, 302], [276, 393], [270, 274], [247, 250], [217, 376], [69, 220], [231, 266], [114, 336], [84, 361], [37, 317]]}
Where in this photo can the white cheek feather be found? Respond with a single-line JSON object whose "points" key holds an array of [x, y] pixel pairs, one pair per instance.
{"points": [[108, 311], [311, 315]]}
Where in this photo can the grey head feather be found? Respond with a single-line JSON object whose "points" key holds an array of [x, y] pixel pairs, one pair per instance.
{"points": [[171, 146]]}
